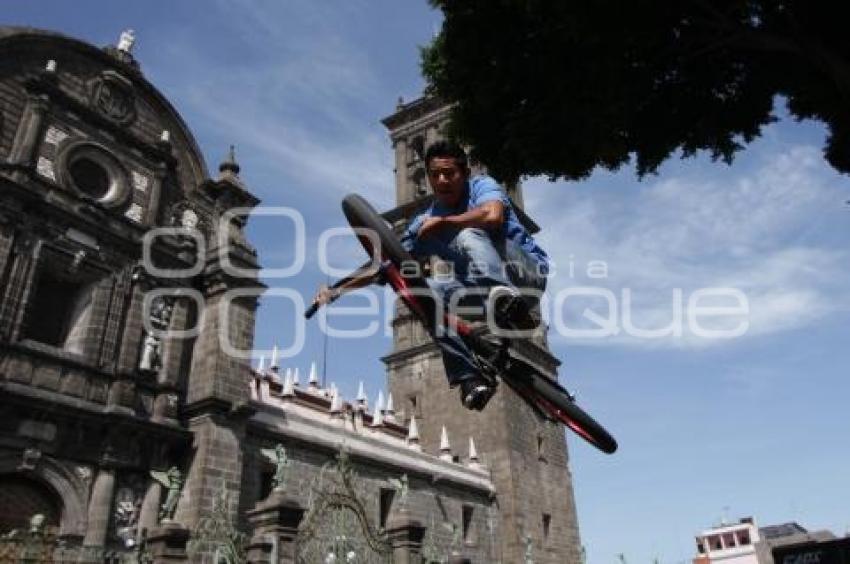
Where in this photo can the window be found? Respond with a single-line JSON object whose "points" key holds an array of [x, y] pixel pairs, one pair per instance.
{"points": [[743, 538], [468, 537], [714, 542], [385, 505], [547, 521], [59, 312], [700, 546], [91, 169], [413, 406], [729, 540], [90, 177]]}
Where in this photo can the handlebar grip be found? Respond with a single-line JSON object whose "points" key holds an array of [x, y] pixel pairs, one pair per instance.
{"points": [[311, 311]]}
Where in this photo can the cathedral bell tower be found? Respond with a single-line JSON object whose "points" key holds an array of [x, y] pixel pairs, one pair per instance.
{"points": [[526, 455]]}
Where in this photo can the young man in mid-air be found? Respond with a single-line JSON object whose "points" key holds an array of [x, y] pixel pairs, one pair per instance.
{"points": [[472, 226]]}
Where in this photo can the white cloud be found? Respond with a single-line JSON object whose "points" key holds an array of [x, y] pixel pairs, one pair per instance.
{"points": [[301, 98], [748, 228]]}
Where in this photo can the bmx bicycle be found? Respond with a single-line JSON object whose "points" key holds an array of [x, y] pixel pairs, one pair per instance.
{"points": [[389, 262]]}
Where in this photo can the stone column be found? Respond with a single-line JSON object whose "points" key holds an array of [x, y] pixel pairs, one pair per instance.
{"points": [[402, 194], [152, 211], [275, 521], [100, 507], [149, 512], [30, 130], [405, 535], [18, 286], [173, 354]]}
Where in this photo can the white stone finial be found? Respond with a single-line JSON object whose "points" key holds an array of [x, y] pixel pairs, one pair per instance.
{"points": [[361, 395], [444, 440], [295, 378], [314, 377], [264, 394], [336, 404], [165, 136], [377, 415], [473, 455], [51, 66], [413, 435], [445, 447], [127, 40], [261, 364], [389, 412], [288, 386], [274, 365]]}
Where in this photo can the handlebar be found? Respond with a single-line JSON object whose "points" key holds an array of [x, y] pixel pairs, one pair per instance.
{"points": [[341, 283]]}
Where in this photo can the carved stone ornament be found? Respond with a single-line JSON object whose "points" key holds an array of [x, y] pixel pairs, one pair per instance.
{"points": [[84, 472], [112, 96], [30, 459], [182, 214]]}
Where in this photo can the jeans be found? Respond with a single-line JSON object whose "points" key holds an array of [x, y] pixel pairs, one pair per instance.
{"points": [[478, 265]]}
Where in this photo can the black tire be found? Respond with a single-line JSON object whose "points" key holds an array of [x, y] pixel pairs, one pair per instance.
{"points": [[360, 213], [570, 414]]}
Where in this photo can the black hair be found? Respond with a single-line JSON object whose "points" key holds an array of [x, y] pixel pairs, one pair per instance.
{"points": [[448, 149]]}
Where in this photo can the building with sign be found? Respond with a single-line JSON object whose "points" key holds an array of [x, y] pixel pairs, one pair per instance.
{"points": [[746, 543]]}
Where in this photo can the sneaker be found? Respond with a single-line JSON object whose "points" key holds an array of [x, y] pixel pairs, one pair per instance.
{"points": [[510, 309], [475, 393]]}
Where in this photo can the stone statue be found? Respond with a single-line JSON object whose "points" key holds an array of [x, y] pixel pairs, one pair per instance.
{"points": [[173, 481], [189, 219], [150, 354], [277, 456], [126, 41], [37, 524], [127, 508], [402, 487], [160, 314]]}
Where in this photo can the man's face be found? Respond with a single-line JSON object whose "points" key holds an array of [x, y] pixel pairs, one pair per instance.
{"points": [[448, 181]]}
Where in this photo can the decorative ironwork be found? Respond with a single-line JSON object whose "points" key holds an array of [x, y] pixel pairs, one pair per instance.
{"points": [[336, 527]]}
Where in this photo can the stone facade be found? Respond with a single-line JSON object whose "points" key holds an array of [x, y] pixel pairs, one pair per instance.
{"points": [[124, 420], [527, 455]]}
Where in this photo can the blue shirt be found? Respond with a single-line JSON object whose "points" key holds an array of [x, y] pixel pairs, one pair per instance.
{"points": [[479, 190]]}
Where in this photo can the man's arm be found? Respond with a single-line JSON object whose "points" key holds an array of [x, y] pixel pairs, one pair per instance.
{"points": [[488, 215]]}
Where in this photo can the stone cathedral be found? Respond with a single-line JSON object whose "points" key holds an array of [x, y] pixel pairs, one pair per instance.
{"points": [[131, 430]]}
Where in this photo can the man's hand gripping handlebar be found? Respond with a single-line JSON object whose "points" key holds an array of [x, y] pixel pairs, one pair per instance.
{"points": [[363, 276]]}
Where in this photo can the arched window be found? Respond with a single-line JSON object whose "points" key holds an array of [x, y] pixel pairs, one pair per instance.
{"points": [[21, 499]]}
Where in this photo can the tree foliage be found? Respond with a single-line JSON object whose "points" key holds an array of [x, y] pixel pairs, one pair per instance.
{"points": [[558, 87]]}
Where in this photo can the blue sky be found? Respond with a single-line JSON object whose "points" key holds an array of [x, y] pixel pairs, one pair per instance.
{"points": [[756, 424]]}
